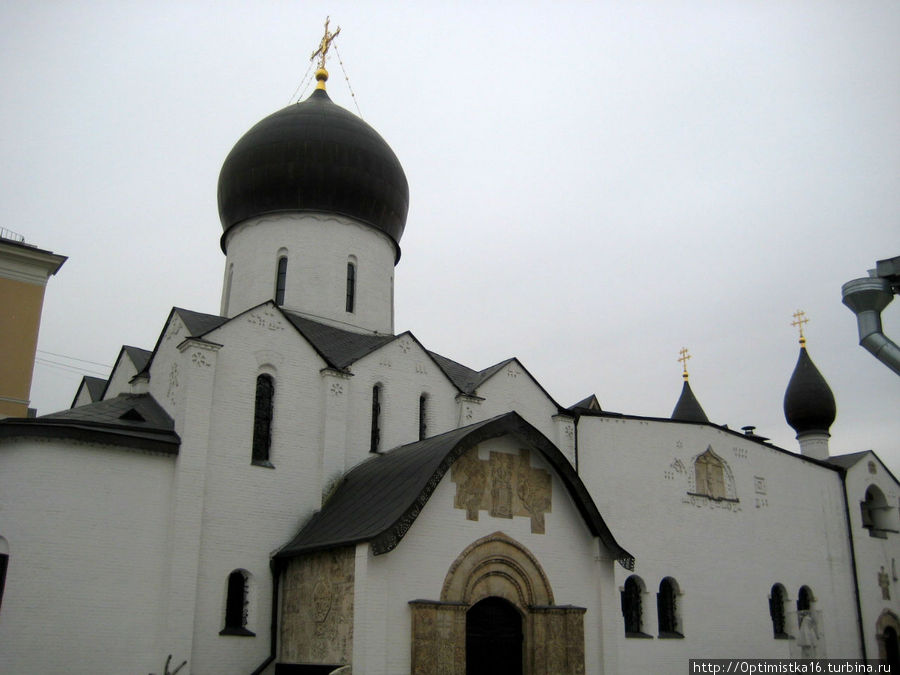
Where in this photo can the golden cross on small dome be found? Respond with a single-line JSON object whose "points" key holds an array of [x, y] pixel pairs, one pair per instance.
{"points": [[322, 53], [684, 359], [799, 320]]}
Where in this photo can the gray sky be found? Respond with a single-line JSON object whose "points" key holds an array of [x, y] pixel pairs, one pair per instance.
{"points": [[592, 185]]}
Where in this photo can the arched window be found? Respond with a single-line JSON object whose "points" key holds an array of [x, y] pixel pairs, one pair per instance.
{"points": [[262, 419], [351, 286], [876, 514], [4, 562], [236, 604], [632, 608], [804, 599], [226, 297], [423, 416], [709, 474], [281, 280], [776, 611], [376, 418], [667, 610]]}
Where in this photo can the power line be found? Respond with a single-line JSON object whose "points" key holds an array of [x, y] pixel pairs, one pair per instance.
{"points": [[75, 358]]}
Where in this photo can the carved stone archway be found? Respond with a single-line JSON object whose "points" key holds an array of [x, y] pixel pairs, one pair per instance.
{"points": [[887, 631], [497, 566]]}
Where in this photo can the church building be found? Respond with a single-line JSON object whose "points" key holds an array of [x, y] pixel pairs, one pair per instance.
{"points": [[291, 485]]}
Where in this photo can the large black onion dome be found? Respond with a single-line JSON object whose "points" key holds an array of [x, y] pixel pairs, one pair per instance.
{"points": [[808, 402], [314, 156], [688, 408]]}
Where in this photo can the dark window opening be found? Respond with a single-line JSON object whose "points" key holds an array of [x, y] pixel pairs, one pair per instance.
{"points": [[804, 599], [262, 419], [423, 420], [351, 286], [632, 611], [666, 610], [776, 611], [376, 418], [280, 280], [4, 562], [236, 605]]}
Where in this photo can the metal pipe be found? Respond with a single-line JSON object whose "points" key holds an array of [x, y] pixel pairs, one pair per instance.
{"points": [[866, 297]]}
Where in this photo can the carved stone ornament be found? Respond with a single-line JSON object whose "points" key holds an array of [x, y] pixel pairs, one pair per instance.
{"points": [[317, 624], [265, 317], [505, 486], [176, 328], [173, 383], [337, 389], [405, 345], [199, 359]]}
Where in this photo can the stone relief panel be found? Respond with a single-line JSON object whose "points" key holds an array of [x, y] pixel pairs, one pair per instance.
{"points": [[317, 623], [504, 485], [438, 638], [265, 317]]}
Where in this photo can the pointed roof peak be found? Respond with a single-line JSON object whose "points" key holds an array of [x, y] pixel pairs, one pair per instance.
{"points": [[808, 401], [688, 408]]}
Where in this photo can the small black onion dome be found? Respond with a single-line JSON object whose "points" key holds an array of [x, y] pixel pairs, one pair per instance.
{"points": [[314, 156], [808, 401], [688, 408]]}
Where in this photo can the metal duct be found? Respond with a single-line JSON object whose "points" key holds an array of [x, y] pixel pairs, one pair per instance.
{"points": [[867, 297]]}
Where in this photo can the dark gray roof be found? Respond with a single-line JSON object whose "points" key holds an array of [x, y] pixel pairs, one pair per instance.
{"points": [[848, 460], [588, 403], [128, 420], [139, 357], [464, 378], [688, 408], [197, 323], [808, 402], [378, 500], [94, 385], [338, 348]]}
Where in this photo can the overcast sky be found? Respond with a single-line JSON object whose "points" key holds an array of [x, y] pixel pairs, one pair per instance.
{"points": [[592, 185]]}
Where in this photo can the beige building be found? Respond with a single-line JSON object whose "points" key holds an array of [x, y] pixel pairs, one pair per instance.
{"points": [[24, 270]]}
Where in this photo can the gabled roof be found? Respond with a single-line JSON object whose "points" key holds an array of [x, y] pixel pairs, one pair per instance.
{"points": [[378, 500], [196, 323], [589, 403], [338, 348], [139, 357], [851, 459], [128, 420], [465, 379], [95, 387]]}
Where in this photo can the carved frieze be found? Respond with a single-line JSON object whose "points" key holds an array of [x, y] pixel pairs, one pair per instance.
{"points": [[504, 485], [438, 638], [173, 383], [317, 626], [265, 317]]}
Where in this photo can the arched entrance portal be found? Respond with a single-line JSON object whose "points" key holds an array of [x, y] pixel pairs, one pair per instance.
{"points": [[493, 638], [887, 628]]}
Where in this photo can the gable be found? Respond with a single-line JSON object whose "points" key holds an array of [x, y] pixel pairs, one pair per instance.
{"points": [[378, 500]]}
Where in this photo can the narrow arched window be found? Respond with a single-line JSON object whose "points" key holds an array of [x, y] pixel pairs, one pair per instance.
{"points": [[376, 418], [666, 610], [262, 418], [423, 416], [4, 562], [351, 286], [281, 280], [632, 611], [236, 604], [804, 599], [776, 611]]}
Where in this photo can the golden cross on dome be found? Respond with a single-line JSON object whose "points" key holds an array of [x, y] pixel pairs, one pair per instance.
{"points": [[327, 39], [799, 320], [684, 359]]}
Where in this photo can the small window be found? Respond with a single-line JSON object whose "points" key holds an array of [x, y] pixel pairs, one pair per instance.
{"points": [[877, 516], [351, 286], [281, 280], [632, 607], [667, 609], [4, 563], [262, 419], [376, 419], [776, 611], [236, 604], [804, 599], [423, 416], [709, 475]]}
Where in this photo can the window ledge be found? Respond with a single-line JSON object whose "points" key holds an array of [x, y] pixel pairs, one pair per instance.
{"points": [[782, 636], [240, 632], [674, 635], [263, 462], [641, 635], [715, 499]]}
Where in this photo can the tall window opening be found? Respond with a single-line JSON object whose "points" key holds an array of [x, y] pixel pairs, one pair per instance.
{"points": [[4, 563], [776, 611], [226, 299], [804, 599], [281, 280], [262, 419], [876, 514], [376, 418], [236, 604], [709, 474], [632, 609], [423, 416], [666, 610], [351, 286]]}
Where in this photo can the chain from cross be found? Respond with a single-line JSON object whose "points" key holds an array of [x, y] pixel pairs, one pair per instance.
{"points": [[327, 39], [799, 320], [683, 359]]}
